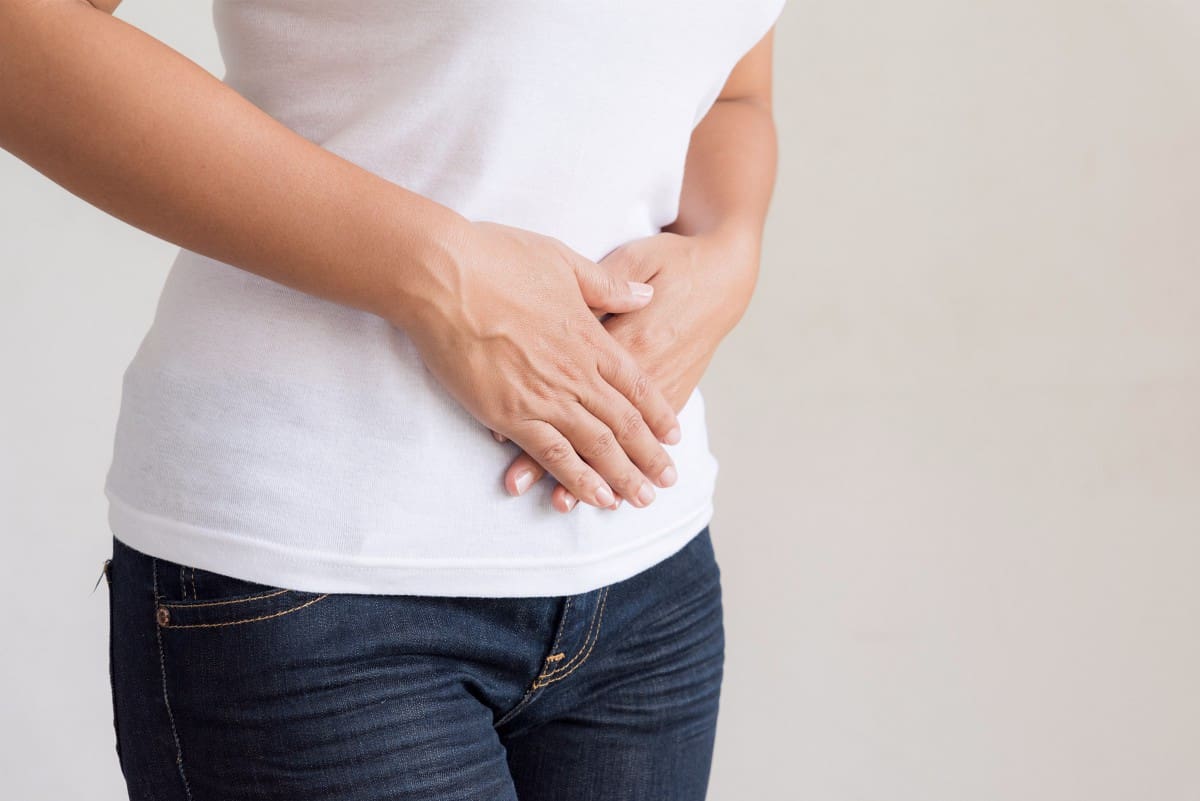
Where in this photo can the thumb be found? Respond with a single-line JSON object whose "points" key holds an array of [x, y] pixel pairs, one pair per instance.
{"points": [[604, 292]]}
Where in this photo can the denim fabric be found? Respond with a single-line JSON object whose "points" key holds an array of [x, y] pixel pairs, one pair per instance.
{"points": [[229, 690]]}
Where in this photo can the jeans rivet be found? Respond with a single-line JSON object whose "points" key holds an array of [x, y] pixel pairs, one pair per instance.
{"points": [[163, 615]]}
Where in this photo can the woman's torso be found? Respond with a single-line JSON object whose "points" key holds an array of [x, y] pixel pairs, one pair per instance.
{"points": [[275, 436]]}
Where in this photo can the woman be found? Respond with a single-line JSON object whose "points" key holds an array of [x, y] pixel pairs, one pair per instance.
{"points": [[404, 224]]}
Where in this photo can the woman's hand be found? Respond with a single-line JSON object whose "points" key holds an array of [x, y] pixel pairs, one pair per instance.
{"points": [[507, 326], [704, 265], [674, 337]]}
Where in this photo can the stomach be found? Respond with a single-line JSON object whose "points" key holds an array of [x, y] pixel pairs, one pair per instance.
{"points": [[253, 415]]}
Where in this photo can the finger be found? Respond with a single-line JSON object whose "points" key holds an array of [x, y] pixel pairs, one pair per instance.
{"points": [[603, 292], [634, 436], [546, 443], [598, 445], [564, 501], [619, 369], [522, 474], [496, 435], [631, 262]]}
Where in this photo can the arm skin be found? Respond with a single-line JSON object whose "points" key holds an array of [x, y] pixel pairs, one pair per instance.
{"points": [[704, 266], [503, 317], [133, 127]]}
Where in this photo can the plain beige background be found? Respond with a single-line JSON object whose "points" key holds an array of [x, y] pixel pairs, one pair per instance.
{"points": [[959, 428]]}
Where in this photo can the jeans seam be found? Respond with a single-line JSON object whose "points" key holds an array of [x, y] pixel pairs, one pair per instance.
{"points": [[543, 681], [162, 664], [532, 692], [545, 674]]}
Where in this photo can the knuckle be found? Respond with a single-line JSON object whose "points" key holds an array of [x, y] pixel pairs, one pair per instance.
{"points": [[630, 483], [640, 389], [603, 362], [555, 453], [570, 369], [506, 408], [659, 462], [604, 443], [583, 479], [642, 267], [582, 395], [631, 425], [557, 410]]}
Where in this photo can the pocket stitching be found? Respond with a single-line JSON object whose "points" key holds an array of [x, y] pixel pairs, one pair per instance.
{"points": [[194, 604], [309, 602]]}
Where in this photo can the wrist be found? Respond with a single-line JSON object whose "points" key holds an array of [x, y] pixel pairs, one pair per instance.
{"points": [[432, 240], [727, 267]]}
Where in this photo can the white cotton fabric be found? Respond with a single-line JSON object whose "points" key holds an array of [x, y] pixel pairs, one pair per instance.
{"points": [[281, 438]]}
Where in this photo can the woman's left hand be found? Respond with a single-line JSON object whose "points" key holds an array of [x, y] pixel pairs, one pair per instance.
{"points": [[674, 337]]}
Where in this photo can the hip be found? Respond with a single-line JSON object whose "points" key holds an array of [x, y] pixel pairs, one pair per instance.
{"points": [[229, 688]]}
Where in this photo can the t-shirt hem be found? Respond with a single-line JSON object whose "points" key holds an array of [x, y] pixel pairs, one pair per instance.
{"points": [[278, 565]]}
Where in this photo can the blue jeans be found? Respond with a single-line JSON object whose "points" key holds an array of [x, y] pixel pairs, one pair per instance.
{"points": [[229, 690]]}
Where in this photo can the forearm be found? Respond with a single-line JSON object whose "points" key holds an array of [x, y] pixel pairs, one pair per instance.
{"points": [[138, 130], [729, 177]]}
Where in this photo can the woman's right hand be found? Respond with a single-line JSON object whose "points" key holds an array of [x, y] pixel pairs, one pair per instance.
{"points": [[500, 314], [508, 327]]}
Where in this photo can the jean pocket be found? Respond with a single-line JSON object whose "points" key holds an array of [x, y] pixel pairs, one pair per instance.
{"points": [[194, 598]]}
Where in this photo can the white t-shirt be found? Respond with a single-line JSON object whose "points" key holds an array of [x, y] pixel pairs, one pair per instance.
{"points": [[281, 438]]}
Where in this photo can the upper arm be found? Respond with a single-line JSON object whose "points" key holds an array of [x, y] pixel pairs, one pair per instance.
{"points": [[750, 79]]}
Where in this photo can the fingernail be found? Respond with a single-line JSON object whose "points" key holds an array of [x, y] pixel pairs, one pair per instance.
{"points": [[645, 494], [673, 436], [640, 290], [616, 505], [570, 499], [667, 476], [604, 496], [524, 480]]}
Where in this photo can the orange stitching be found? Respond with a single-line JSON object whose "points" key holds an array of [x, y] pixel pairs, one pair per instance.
{"points": [[587, 638], [248, 620], [531, 694], [539, 684], [555, 657], [562, 627], [270, 594], [547, 674]]}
